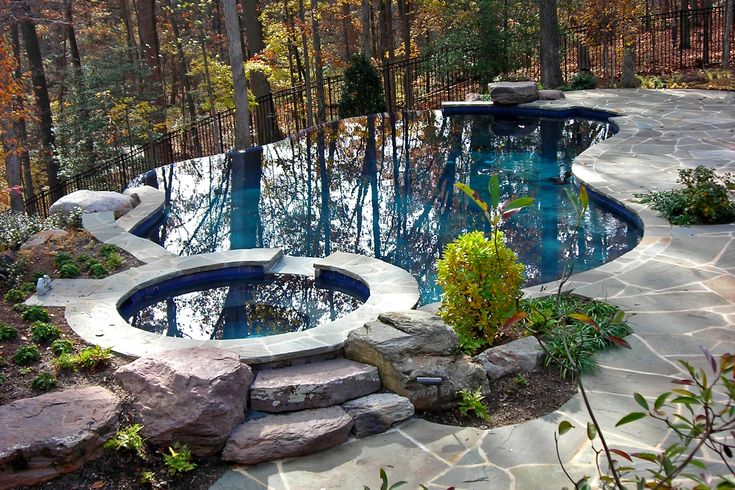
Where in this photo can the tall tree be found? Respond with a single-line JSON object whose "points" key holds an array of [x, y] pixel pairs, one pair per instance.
{"points": [[551, 76], [10, 97], [318, 64], [726, 47], [365, 37], [43, 102], [240, 83], [151, 54]]}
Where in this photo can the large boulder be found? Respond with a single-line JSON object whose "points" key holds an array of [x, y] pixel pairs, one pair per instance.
{"points": [[375, 413], [512, 93], [93, 202], [411, 344], [520, 356], [195, 396], [282, 436], [40, 239], [56, 433]]}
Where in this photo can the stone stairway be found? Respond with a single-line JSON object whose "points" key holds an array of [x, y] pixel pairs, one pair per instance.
{"points": [[309, 407]]}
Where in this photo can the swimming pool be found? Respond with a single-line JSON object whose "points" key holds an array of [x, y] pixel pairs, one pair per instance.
{"points": [[383, 186]]}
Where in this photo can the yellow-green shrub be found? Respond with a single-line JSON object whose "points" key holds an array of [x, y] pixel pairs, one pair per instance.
{"points": [[481, 279]]}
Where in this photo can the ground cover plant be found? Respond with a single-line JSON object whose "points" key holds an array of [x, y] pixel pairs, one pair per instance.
{"points": [[703, 199]]}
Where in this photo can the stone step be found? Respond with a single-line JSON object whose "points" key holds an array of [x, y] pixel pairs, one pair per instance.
{"points": [[315, 385], [287, 435]]}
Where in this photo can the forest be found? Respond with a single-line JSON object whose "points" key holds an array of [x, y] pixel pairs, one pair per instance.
{"points": [[87, 81]]}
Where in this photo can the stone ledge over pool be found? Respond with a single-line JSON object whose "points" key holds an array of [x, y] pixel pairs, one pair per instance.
{"points": [[92, 305]]}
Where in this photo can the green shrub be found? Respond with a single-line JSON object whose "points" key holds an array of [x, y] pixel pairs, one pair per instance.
{"points": [[61, 346], [20, 308], [472, 401], [28, 354], [44, 382], [91, 359], [520, 380], [362, 90], [11, 270], [43, 332], [109, 249], [97, 269], [69, 270], [7, 332], [704, 199], [113, 261], [583, 80], [35, 314], [27, 288], [179, 459], [128, 438], [14, 296], [2, 379], [481, 280], [84, 259], [62, 258]]}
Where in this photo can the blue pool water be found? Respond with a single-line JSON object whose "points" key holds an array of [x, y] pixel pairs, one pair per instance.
{"points": [[384, 186]]}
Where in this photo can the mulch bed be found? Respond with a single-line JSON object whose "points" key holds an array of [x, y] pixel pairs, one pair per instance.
{"points": [[115, 470], [510, 402]]}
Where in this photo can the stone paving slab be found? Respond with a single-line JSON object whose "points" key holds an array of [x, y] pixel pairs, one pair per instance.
{"points": [[677, 287]]}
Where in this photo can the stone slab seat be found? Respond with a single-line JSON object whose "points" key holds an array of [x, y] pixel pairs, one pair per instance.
{"points": [[315, 385]]}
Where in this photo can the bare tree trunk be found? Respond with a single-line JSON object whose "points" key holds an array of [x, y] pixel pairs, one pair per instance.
{"points": [[148, 33], [346, 24], [185, 77], [242, 118], [12, 143], [20, 123], [307, 68], [404, 8], [550, 60], [726, 47], [318, 65], [43, 103], [365, 38]]}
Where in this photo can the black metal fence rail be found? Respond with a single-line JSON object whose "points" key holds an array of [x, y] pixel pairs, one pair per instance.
{"points": [[417, 83]]}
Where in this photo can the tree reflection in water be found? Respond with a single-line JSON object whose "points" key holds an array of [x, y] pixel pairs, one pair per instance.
{"points": [[382, 186], [276, 304]]}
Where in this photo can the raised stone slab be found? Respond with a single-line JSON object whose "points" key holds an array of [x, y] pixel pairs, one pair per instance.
{"points": [[194, 396], [315, 385], [550, 95], [520, 356], [93, 202], [282, 436], [511, 93], [375, 413], [56, 433]]}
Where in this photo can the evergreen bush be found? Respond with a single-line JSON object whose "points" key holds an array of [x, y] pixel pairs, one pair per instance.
{"points": [[362, 89]]}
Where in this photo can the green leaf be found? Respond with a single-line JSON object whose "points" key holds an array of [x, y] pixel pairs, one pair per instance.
{"points": [[564, 427], [591, 431], [474, 196], [573, 200], [519, 203], [583, 484], [618, 317], [661, 400], [384, 479], [583, 198], [581, 317], [493, 187], [631, 417], [641, 401], [397, 484], [653, 458]]}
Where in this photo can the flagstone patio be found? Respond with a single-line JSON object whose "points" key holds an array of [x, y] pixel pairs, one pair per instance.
{"points": [[677, 288]]}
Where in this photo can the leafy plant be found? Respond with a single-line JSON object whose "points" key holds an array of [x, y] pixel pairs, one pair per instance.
{"points": [[17, 228], [179, 459], [10, 270], [699, 414], [113, 261], [69, 270], [20, 308], [520, 380], [472, 401], [147, 477], [97, 269], [44, 382], [61, 346], [62, 258], [43, 332], [128, 438], [384, 484], [90, 359], [27, 288], [35, 314], [109, 249], [27, 354], [362, 89], [2, 379], [14, 296], [583, 80], [481, 277], [704, 199], [7, 332]]}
